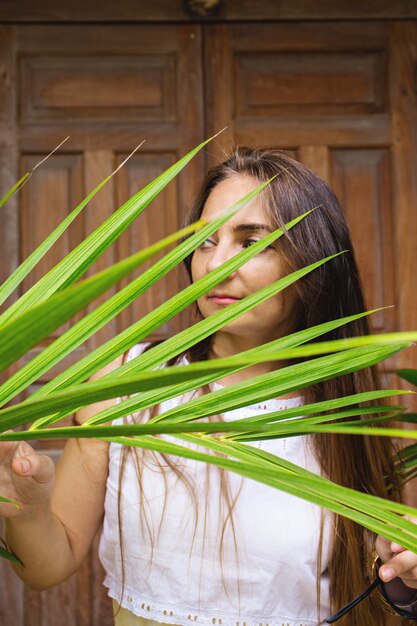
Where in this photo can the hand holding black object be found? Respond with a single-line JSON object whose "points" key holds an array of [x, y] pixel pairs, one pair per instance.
{"points": [[405, 598]]}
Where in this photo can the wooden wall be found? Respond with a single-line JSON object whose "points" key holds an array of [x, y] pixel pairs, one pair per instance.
{"points": [[336, 91]]}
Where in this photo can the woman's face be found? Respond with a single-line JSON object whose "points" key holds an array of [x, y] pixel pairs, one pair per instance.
{"points": [[276, 316]]}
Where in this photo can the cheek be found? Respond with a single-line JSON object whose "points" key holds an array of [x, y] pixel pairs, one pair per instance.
{"points": [[261, 273], [291, 304], [194, 268], [283, 304]]}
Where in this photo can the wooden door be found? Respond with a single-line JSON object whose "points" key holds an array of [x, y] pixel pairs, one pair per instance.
{"points": [[342, 98], [108, 88]]}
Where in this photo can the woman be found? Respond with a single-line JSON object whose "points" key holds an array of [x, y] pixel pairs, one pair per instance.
{"points": [[187, 543]]}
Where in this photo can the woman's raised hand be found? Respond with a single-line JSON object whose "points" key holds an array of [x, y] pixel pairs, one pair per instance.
{"points": [[397, 562], [25, 477]]}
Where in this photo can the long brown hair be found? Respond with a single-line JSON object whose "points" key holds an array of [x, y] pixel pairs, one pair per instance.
{"points": [[331, 291]]}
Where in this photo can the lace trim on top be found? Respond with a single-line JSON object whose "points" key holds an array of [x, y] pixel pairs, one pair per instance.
{"points": [[148, 609]]}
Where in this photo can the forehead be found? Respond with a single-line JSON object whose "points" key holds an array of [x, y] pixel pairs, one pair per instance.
{"points": [[229, 191]]}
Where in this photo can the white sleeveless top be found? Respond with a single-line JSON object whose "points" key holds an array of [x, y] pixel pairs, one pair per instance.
{"points": [[182, 564]]}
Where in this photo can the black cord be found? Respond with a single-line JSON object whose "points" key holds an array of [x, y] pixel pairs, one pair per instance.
{"points": [[348, 607]]}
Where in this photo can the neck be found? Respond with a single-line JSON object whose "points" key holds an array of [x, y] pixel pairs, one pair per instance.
{"points": [[225, 344]]}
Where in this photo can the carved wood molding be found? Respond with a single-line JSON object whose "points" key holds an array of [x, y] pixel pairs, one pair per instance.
{"points": [[204, 8], [142, 11]]}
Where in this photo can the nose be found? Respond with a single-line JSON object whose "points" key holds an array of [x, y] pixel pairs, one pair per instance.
{"points": [[218, 255]]}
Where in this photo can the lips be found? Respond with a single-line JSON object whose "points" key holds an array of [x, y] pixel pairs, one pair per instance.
{"points": [[223, 298]]}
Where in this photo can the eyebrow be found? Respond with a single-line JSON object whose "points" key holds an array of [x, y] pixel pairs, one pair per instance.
{"points": [[252, 227]]}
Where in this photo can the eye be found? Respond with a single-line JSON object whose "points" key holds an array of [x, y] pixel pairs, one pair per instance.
{"points": [[208, 243], [249, 242]]}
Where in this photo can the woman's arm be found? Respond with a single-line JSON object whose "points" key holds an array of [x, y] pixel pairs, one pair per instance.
{"points": [[398, 573], [61, 511]]}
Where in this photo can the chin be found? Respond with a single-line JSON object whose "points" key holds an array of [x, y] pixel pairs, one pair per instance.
{"points": [[237, 331]]}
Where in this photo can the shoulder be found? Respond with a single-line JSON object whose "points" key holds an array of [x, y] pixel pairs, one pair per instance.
{"points": [[84, 414], [137, 350], [89, 411]]}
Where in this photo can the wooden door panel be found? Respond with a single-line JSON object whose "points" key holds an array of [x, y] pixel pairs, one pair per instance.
{"points": [[309, 83], [108, 88], [361, 180], [340, 96], [159, 219], [299, 84], [290, 131], [105, 86], [154, 90], [403, 99], [90, 88], [53, 192]]}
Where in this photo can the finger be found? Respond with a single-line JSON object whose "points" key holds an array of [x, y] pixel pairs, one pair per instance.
{"points": [[21, 463], [383, 548], [24, 449], [21, 466], [10, 449], [396, 548], [39, 467], [398, 565]]}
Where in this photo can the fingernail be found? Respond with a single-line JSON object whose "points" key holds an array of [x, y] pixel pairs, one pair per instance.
{"points": [[387, 574], [24, 466]]}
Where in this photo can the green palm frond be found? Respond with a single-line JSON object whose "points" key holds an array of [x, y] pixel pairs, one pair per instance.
{"points": [[406, 460], [10, 556], [16, 278], [408, 375], [100, 316], [25, 330], [184, 431], [78, 261]]}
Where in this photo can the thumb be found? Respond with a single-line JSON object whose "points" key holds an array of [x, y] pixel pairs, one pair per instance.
{"points": [[39, 467]]}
